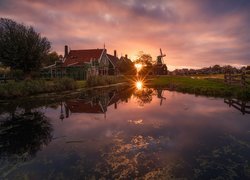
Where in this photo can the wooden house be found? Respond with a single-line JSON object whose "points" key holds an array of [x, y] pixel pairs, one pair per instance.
{"points": [[114, 64], [94, 61], [81, 64]]}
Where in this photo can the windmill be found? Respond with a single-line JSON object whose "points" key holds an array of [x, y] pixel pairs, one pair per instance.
{"points": [[160, 60]]}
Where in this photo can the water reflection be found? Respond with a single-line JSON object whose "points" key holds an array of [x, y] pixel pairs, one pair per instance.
{"points": [[242, 106], [160, 95], [144, 96], [123, 133], [95, 101], [22, 135]]}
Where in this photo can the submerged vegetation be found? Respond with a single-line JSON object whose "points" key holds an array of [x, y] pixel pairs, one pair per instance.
{"points": [[202, 86]]}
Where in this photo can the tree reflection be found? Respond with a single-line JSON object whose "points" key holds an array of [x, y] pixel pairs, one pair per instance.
{"points": [[24, 133], [144, 96]]}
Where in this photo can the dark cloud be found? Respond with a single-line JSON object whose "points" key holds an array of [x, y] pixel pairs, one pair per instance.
{"points": [[223, 7], [193, 33]]}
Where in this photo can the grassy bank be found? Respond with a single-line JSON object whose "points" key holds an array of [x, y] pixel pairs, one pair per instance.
{"points": [[104, 80], [202, 86], [32, 87], [26, 88]]}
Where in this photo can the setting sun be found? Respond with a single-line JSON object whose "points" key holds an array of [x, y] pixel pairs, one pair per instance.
{"points": [[138, 67], [139, 85]]}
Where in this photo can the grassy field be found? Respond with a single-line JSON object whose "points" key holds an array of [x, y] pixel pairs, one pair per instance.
{"points": [[14, 89], [202, 85]]}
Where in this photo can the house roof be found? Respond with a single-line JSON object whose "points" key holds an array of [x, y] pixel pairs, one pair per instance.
{"points": [[79, 57], [127, 60], [114, 60]]}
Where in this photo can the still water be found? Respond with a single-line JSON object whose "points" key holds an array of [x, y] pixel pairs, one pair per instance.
{"points": [[122, 133]]}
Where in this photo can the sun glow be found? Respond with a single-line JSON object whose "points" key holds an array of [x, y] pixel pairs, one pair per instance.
{"points": [[139, 85], [138, 67]]}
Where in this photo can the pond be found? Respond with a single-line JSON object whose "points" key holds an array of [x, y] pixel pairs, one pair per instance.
{"points": [[124, 133]]}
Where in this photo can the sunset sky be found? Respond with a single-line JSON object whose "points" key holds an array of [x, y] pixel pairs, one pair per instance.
{"points": [[192, 33]]}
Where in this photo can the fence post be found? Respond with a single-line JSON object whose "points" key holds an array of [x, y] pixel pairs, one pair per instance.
{"points": [[230, 77], [243, 105], [243, 79]]}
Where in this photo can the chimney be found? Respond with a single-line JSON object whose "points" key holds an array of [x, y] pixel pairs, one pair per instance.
{"points": [[115, 53], [126, 56], [66, 50]]}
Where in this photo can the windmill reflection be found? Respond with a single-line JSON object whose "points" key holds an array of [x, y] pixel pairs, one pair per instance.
{"points": [[160, 94]]}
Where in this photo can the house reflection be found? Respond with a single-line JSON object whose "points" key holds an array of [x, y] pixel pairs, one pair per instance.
{"points": [[95, 101], [242, 106]]}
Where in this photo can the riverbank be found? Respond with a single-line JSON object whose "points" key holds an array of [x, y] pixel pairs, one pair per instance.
{"points": [[55, 87], [26, 88], [201, 86], [193, 85]]}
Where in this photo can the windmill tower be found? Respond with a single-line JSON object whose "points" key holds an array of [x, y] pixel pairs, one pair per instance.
{"points": [[160, 68], [160, 60]]}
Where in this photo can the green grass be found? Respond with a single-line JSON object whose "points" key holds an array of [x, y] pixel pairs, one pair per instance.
{"points": [[81, 83], [202, 86], [104, 80], [14, 89], [26, 88], [204, 76]]}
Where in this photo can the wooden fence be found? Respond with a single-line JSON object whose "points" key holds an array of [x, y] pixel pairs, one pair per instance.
{"points": [[242, 79], [242, 106], [77, 73]]}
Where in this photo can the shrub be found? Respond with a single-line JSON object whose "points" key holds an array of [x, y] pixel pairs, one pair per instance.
{"points": [[17, 74], [103, 80], [64, 84], [31, 87], [35, 74]]}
